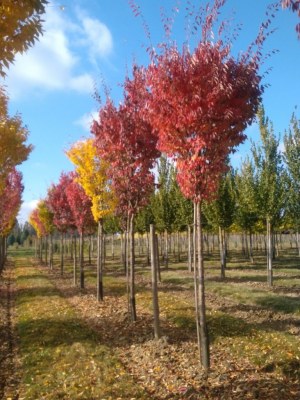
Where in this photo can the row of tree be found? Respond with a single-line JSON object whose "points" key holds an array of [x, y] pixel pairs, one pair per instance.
{"points": [[21, 25], [191, 104]]}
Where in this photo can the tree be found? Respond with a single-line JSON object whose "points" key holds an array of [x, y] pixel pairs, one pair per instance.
{"points": [[92, 175], [58, 204], [128, 143], [21, 25], [201, 101], [13, 137], [270, 193], [10, 202], [246, 214], [220, 213], [292, 159], [46, 218], [80, 205]]}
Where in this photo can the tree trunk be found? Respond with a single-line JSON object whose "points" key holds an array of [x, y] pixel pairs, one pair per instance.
{"points": [[251, 248], [154, 271], [222, 248], [81, 266], [131, 277], [157, 258], [166, 255], [204, 340], [75, 261], [189, 249], [113, 246], [269, 253], [50, 264], [298, 242], [100, 261], [62, 253], [148, 248]]}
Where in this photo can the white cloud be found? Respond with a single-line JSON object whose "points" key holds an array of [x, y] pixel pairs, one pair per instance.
{"points": [[25, 210], [86, 120], [55, 62], [98, 37]]}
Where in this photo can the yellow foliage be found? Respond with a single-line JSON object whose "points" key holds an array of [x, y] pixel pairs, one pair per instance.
{"points": [[13, 136], [92, 176]]}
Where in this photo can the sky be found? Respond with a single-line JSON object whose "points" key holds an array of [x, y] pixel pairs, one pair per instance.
{"points": [[90, 45]]}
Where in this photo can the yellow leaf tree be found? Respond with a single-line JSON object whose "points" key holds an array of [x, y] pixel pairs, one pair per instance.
{"points": [[92, 176], [13, 137], [21, 26], [46, 218]]}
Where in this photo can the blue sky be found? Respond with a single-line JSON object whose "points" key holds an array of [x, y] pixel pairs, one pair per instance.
{"points": [[89, 42]]}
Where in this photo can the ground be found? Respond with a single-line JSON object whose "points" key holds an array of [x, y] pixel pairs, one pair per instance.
{"points": [[58, 342]]}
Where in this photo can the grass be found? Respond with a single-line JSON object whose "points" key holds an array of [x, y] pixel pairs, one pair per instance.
{"points": [[61, 342], [62, 358]]}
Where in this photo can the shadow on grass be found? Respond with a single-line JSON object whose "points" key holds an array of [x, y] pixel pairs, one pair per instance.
{"points": [[52, 332], [284, 304]]}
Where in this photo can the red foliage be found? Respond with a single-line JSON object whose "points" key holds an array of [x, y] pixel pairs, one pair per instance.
{"points": [[10, 200], [58, 203], [128, 142], [80, 205], [201, 103]]}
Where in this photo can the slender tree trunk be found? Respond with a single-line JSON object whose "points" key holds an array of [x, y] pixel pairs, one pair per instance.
{"points": [[222, 252], [196, 286], [157, 258], [51, 252], [251, 247], [113, 246], [189, 249], [204, 340], [148, 248], [154, 271], [46, 250], [62, 253], [298, 242], [75, 261], [269, 253], [131, 277], [81, 266], [166, 257], [100, 261]]}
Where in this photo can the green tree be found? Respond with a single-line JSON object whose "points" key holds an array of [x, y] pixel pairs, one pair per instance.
{"points": [[270, 183], [292, 160], [246, 214], [220, 213], [21, 25]]}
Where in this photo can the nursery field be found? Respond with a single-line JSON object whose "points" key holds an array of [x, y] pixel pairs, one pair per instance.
{"points": [[59, 342]]}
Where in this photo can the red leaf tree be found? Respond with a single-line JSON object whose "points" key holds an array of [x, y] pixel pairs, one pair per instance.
{"points": [[128, 143], [10, 202], [58, 203], [201, 101], [80, 205]]}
